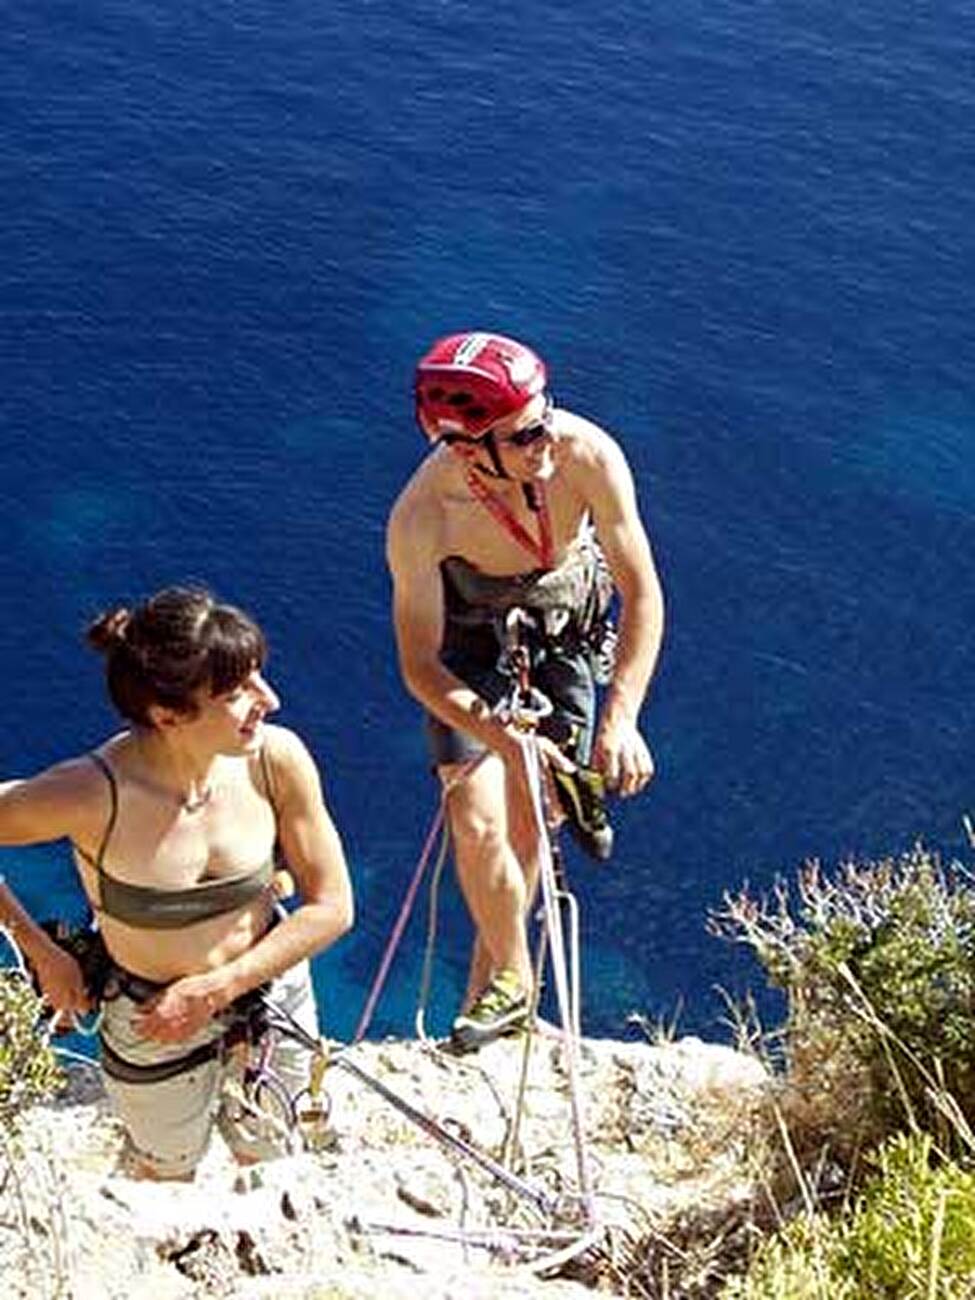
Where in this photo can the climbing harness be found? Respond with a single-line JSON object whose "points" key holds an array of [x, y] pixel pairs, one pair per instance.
{"points": [[255, 1090]]}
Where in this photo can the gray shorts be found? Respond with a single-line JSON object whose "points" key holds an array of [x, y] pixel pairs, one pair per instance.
{"points": [[169, 1122]]}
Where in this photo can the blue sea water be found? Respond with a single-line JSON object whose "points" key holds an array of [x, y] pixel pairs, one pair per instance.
{"points": [[741, 232]]}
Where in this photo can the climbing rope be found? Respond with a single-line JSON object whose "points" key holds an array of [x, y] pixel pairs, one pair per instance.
{"points": [[524, 707], [399, 925], [564, 997]]}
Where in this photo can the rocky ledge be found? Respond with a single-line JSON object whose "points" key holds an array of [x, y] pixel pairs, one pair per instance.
{"points": [[382, 1209]]}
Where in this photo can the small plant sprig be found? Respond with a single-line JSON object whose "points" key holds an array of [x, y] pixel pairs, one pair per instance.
{"points": [[29, 1069]]}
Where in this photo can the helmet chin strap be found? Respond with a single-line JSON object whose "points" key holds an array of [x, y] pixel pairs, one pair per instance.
{"points": [[528, 490], [499, 470]]}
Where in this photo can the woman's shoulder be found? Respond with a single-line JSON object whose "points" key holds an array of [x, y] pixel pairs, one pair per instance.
{"points": [[284, 749], [281, 740], [292, 767], [66, 800], [79, 777]]}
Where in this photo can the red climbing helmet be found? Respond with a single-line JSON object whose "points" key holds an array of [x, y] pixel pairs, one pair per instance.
{"points": [[467, 382]]}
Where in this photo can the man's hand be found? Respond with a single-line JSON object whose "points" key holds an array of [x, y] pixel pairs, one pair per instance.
{"points": [[181, 1009], [61, 981], [621, 754], [552, 755]]}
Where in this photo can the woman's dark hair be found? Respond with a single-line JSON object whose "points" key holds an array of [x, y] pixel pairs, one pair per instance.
{"points": [[176, 643]]}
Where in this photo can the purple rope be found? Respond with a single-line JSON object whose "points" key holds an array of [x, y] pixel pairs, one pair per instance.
{"points": [[399, 927], [404, 912]]}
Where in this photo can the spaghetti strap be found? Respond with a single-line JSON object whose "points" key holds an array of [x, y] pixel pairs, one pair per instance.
{"points": [[278, 856], [113, 815], [268, 774]]}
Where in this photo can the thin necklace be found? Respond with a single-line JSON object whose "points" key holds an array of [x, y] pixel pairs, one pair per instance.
{"points": [[189, 803], [193, 803]]}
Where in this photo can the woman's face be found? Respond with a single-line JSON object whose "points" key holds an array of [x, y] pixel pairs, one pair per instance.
{"points": [[232, 722]]}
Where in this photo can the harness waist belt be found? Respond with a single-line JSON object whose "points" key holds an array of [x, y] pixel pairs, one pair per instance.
{"points": [[244, 1017], [117, 1067]]}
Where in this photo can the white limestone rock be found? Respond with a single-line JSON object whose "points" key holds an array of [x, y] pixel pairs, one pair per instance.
{"points": [[379, 1213]]}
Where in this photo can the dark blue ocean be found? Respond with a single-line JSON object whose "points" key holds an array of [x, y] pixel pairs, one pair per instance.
{"points": [[742, 232]]}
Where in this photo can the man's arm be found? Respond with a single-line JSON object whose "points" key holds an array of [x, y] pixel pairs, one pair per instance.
{"points": [[316, 859], [620, 752], [418, 617]]}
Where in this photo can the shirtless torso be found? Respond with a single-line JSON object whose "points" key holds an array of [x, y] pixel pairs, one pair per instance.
{"points": [[439, 508]]}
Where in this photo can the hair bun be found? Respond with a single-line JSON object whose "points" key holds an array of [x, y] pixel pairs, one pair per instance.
{"points": [[109, 630]]}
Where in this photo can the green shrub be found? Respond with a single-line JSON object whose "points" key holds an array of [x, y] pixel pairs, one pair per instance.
{"points": [[910, 1233], [29, 1071], [878, 965]]}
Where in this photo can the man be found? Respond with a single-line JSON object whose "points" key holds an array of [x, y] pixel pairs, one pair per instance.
{"points": [[504, 513]]}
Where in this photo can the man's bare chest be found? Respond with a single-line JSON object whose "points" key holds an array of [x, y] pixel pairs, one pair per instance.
{"points": [[513, 539]]}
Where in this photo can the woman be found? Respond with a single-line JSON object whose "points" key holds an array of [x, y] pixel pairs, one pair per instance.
{"points": [[174, 823]]}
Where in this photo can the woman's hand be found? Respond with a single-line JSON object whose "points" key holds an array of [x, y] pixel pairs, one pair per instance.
{"points": [[182, 1009], [61, 981]]}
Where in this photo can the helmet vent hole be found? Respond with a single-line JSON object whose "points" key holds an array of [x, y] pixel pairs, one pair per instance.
{"points": [[460, 399]]}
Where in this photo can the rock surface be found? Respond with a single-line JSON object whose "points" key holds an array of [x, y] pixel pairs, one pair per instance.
{"points": [[382, 1209]]}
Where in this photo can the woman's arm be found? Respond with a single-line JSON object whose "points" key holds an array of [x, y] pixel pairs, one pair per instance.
{"points": [[50, 806], [63, 801], [58, 974]]}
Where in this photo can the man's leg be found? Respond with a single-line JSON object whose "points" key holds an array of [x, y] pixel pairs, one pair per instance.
{"points": [[496, 854]]}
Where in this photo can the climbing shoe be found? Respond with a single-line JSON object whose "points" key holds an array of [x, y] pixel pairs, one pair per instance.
{"points": [[501, 1009], [582, 794]]}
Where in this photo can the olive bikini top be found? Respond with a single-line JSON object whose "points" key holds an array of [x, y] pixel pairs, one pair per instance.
{"points": [[146, 907]]}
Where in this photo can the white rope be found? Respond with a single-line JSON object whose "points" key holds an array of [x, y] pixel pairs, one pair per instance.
{"points": [[567, 1012], [14, 947]]}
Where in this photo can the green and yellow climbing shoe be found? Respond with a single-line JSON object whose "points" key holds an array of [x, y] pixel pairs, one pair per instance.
{"points": [[582, 794], [501, 1009]]}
